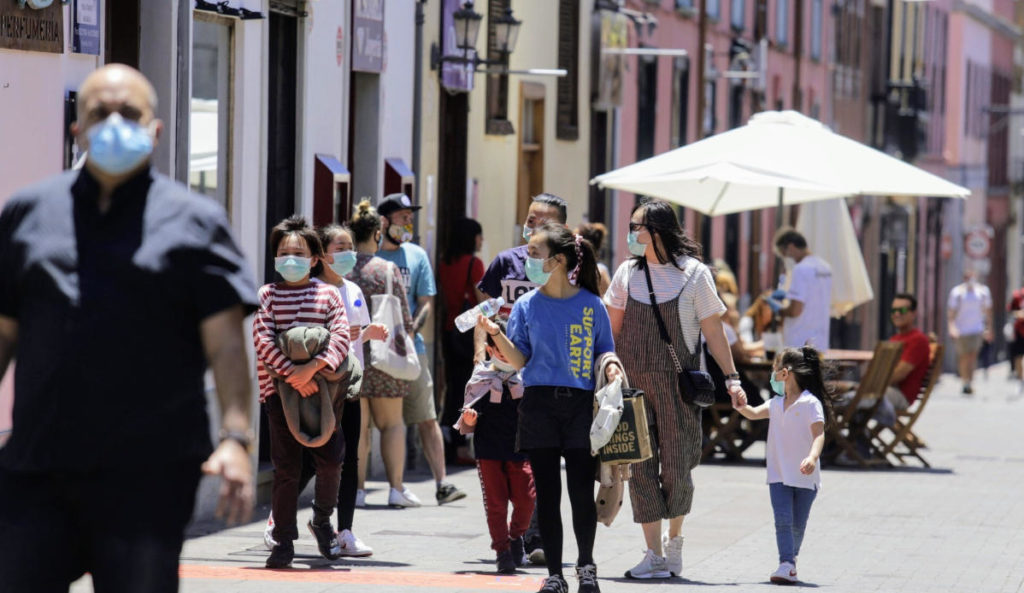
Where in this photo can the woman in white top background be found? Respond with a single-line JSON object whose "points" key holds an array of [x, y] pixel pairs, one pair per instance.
{"points": [[796, 435]]}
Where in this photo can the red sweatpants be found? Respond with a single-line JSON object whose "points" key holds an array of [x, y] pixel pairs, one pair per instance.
{"points": [[502, 482]]}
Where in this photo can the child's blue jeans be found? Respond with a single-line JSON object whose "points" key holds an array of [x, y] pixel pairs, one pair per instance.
{"points": [[792, 506]]}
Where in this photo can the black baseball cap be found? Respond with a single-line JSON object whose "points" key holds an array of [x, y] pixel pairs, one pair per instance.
{"points": [[395, 202]]}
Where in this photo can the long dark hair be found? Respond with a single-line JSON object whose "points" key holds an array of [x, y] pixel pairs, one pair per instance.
{"points": [[660, 220], [562, 241], [810, 371], [462, 239]]}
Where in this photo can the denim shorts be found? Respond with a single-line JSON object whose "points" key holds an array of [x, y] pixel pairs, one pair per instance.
{"points": [[555, 418]]}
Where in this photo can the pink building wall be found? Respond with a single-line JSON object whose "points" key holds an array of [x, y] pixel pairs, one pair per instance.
{"points": [[677, 31]]}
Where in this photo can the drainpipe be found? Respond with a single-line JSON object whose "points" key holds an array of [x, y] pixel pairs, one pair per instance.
{"points": [[417, 110], [798, 50]]}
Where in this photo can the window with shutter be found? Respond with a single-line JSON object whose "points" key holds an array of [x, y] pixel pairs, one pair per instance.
{"points": [[497, 84], [568, 59]]}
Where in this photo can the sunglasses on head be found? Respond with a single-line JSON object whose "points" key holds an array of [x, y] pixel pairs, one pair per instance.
{"points": [[900, 310], [636, 226]]}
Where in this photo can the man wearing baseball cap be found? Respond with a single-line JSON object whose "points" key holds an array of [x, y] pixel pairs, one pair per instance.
{"points": [[396, 212]]}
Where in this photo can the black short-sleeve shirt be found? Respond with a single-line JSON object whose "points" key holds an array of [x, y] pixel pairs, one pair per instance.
{"points": [[109, 362]]}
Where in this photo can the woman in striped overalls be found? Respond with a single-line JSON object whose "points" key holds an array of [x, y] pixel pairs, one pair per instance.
{"points": [[684, 292]]}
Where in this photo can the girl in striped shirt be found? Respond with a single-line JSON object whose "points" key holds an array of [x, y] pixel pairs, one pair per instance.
{"points": [[298, 301]]}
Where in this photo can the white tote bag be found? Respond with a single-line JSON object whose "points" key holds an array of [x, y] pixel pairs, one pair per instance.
{"points": [[395, 356]]}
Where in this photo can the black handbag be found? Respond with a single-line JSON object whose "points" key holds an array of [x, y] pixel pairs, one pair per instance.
{"points": [[696, 387]]}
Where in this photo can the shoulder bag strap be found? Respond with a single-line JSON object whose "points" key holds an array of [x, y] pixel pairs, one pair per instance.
{"points": [[661, 322], [467, 289]]}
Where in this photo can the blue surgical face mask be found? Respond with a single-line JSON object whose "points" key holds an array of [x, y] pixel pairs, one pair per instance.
{"points": [[116, 145], [778, 387], [527, 232], [292, 267], [535, 270], [344, 261], [635, 247]]}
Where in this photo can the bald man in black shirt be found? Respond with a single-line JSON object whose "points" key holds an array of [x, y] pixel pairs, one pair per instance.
{"points": [[117, 288]]}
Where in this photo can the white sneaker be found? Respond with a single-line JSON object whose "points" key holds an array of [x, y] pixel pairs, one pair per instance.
{"points": [[403, 499], [651, 567], [268, 533], [673, 548], [361, 499], [785, 575], [352, 545]]}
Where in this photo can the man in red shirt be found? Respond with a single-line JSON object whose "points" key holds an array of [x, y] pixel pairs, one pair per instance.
{"points": [[1017, 343], [912, 368]]}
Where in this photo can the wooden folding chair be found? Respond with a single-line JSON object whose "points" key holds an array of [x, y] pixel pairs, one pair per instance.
{"points": [[721, 424], [850, 420], [904, 443]]}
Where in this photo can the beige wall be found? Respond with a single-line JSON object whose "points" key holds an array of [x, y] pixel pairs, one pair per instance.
{"points": [[493, 160]]}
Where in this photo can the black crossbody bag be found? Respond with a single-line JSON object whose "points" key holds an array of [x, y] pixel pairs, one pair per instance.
{"points": [[695, 386]]}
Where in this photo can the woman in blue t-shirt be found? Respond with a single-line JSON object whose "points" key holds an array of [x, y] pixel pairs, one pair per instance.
{"points": [[556, 333]]}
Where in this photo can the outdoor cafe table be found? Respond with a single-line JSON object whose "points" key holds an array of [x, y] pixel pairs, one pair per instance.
{"points": [[759, 373]]}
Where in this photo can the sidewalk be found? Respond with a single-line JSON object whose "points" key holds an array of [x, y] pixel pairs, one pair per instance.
{"points": [[956, 527]]}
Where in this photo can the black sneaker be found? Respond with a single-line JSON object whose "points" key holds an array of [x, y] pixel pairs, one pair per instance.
{"points": [[505, 563], [554, 584], [326, 540], [587, 577], [448, 493], [518, 549], [281, 556]]}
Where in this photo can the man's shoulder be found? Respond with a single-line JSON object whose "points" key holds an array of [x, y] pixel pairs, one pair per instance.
{"points": [[512, 254], [413, 250], [816, 265], [168, 193], [55, 187]]}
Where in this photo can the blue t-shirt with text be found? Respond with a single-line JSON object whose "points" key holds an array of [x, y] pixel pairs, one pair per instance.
{"points": [[414, 263], [560, 338]]}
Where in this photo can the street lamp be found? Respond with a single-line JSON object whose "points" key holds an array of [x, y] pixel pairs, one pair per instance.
{"points": [[467, 27], [467, 30], [506, 32]]}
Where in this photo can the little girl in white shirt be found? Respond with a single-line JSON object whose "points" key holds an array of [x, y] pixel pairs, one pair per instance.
{"points": [[796, 435]]}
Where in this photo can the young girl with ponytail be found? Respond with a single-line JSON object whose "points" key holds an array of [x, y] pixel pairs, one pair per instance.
{"points": [[796, 434], [556, 334]]}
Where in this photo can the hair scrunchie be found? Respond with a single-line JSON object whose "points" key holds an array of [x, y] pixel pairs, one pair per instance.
{"points": [[575, 274]]}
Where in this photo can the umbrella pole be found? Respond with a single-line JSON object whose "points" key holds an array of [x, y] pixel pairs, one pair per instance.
{"points": [[778, 225]]}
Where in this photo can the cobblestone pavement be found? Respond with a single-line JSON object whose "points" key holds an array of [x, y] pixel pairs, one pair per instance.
{"points": [[958, 526]]}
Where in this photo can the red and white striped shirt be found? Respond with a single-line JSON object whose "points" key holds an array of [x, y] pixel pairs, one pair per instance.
{"points": [[283, 307]]}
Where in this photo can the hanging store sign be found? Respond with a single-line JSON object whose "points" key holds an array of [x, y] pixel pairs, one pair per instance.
{"points": [[29, 29], [455, 76], [85, 34], [368, 36], [611, 65]]}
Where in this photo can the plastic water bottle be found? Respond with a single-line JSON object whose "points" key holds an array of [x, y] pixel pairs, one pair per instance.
{"points": [[467, 319]]}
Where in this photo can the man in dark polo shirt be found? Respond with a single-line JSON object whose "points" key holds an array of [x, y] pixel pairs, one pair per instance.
{"points": [[117, 288]]}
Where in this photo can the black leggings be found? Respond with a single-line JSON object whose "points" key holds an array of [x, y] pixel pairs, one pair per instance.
{"points": [[350, 425], [579, 477]]}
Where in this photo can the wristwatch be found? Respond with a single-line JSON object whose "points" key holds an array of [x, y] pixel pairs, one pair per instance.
{"points": [[243, 438]]}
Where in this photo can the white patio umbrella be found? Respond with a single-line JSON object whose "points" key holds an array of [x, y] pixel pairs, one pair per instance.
{"points": [[776, 155], [829, 232]]}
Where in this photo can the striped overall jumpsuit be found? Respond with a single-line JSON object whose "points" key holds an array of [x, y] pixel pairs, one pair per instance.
{"points": [[661, 487]]}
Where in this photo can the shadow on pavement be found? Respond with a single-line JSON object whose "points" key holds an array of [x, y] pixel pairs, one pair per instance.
{"points": [[900, 469]]}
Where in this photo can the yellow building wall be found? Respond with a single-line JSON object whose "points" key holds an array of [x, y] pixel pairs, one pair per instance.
{"points": [[493, 161]]}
